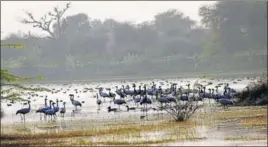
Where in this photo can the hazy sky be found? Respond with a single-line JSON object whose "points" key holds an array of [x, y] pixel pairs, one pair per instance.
{"points": [[136, 11]]}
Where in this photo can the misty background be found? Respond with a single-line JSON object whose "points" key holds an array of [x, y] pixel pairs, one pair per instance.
{"points": [[222, 37]]}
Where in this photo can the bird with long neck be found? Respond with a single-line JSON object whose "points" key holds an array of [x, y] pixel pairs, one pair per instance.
{"points": [[145, 100], [102, 94], [228, 95], [144, 91], [137, 99], [199, 90], [204, 87], [209, 95], [122, 94], [139, 91], [74, 102], [57, 107], [217, 89], [162, 99], [46, 101], [98, 101], [63, 110], [41, 109], [160, 90], [183, 97], [169, 90], [117, 91], [134, 87], [188, 90], [212, 93], [128, 91], [225, 90], [54, 108], [174, 90], [111, 94], [124, 90], [24, 111], [48, 108], [51, 111]]}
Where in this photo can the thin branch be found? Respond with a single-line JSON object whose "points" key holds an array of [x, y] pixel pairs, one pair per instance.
{"points": [[57, 15], [43, 23]]}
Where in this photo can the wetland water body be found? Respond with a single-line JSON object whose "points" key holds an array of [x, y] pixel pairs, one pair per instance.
{"points": [[212, 128]]}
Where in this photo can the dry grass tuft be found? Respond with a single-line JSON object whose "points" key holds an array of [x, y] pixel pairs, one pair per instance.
{"points": [[110, 130], [243, 138]]}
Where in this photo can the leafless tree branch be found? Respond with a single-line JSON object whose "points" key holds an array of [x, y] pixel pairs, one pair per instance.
{"points": [[181, 112], [45, 23]]}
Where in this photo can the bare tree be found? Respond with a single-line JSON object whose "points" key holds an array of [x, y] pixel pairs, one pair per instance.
{"points": [[182, 111], [45, 22]]}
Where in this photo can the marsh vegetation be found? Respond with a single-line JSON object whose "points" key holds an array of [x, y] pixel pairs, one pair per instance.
{"points": [[228, 125]]}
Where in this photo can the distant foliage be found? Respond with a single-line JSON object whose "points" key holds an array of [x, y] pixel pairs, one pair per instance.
{"points": [[232, 38]]}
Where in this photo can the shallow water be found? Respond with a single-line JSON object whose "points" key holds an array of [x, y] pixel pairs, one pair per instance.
{"points": [[214, 136], [89, 109]]}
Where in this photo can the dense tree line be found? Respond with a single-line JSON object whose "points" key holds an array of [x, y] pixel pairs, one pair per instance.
{"points": [[232, 38]]}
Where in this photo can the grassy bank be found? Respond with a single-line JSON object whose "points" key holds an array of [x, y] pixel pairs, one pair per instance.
{"points": [[131, 131]]}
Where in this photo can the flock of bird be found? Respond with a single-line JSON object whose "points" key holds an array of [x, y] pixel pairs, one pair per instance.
{"points": [[140, 96]]}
